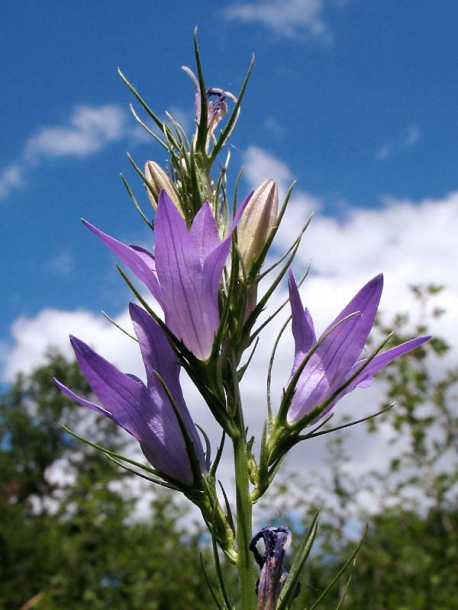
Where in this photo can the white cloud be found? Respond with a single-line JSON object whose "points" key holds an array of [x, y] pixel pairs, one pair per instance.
{"points": [[384, 152], [88, 130], [412, 136], [259, 165], [11, 179], [286, 18], [62, 264], [409, 137], [273, 126], [410, 241], [30, 337]]}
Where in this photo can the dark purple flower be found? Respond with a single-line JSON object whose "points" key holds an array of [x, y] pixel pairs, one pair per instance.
{"points": [[273, 573], [185, 273], [333, 360], [145, 411]]}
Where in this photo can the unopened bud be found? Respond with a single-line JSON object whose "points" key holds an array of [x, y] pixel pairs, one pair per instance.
{"points": [[257, 222], [158, 180]]}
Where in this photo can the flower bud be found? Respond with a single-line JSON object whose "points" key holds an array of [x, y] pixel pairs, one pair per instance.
{"points": [[257, 221], [158, 180]]}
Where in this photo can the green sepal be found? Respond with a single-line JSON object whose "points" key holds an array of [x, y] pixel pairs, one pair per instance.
{"points": [[189, 443], [136, 204], [219, 453], [219, 572], [208, 447], [210, 586], [118, 326], [162, 126], [229, 515], [202, 127], [118, 459]]}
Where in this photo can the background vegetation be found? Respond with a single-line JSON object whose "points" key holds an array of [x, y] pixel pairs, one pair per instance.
{"points": [[70, 538]]}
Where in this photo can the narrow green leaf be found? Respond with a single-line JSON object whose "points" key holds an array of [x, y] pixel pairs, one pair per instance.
{"points": [[287, 592], [339, 573]]}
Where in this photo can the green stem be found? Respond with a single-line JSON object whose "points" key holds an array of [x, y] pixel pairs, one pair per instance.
{"points": [[244, 522]]}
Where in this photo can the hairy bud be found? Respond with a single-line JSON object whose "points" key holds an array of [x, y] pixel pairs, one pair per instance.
{"points": [[257, 222]]}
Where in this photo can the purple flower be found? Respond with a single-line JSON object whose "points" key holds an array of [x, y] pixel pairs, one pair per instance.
{"points": [[145, 411], [216, 110], [273, 573], [333, 360], [185, 273]]}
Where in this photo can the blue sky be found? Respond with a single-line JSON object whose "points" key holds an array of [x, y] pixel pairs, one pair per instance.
{"points": [[356, 99]]}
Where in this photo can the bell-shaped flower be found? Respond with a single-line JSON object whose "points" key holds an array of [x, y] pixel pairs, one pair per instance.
{"points": [[146, 411], [332, 368], [185, 274]]}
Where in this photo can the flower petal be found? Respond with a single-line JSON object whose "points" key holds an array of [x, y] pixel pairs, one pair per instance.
{"points": [[158, 356], [204, 231], [344, 343], [121, 395], [337, 350], [380, 361], [160, 359], [188, 286], [302, 324], [146, 415], [140, 261]]}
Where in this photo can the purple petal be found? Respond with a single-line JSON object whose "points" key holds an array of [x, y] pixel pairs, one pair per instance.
{"points": [[215, 261], [380, 361], [365, 378], [81, 400], [157, 354], [145, 413], [122, 396], [213, 269], [139, 260], [239, 212], [159, 358], [188, 286], [340, 346], [302, 324], [204, 231]]}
